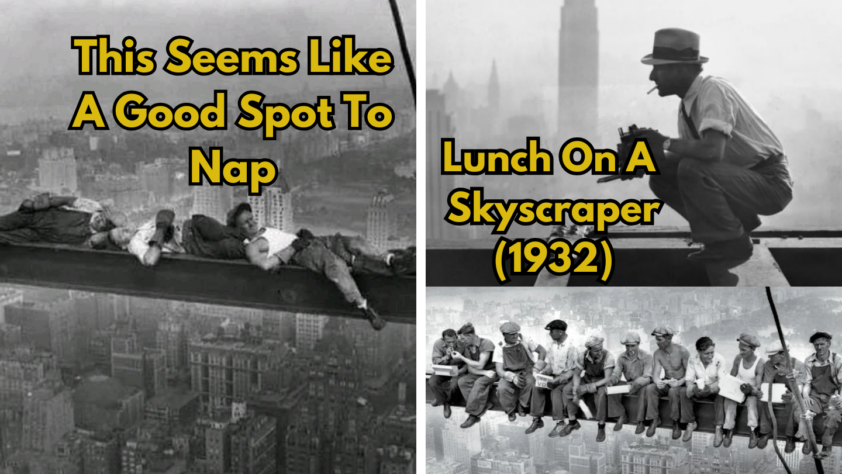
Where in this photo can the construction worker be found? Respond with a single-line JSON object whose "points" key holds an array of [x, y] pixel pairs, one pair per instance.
{"points": [[821, 390], [748, 367], [704, 371], [635, 366], [475, 385], [726, 167], [442, 386], [775, 371], [590, 378], [673, 359], [561, 362], [515, 363]]}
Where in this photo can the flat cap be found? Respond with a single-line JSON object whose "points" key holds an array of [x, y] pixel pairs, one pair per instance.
{"points": [[774, 348], [749, 339], [630, 338], [556, 324], [509, 328], [593, 341], [820, 335], [663, 331]]}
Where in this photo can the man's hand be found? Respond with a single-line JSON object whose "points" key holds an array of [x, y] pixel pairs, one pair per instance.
{"points": [[675, 382], [456, 356], [787, 397], [633, 386], [811, 404], [490, 374], [746, 389], [582, 389], [519, 383], [655, 141], [610, 382], [661, 384], [704, 392], [540, 365]]}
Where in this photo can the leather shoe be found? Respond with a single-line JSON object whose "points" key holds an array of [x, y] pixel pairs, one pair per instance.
{"points": [[471, 421], [729, 436], [571, 427], [762, 440], [752, 439], [676, 430], [447, 411], [622, 421], [537, 424], [740, 248], [377, 322], [827, 450], [521, 411], [512, 417], [790, 445], [641, 427], [651, 431], [556, 432], [691, 427], [717, 436], [600, 434], [805, 449]]}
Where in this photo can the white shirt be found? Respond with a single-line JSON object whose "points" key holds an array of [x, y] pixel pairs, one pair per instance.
{"points": [[713, 104], [712, 373], [139, 244], [561, 358], [277, 239]]}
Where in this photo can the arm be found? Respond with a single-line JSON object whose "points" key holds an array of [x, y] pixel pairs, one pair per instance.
{"points": [[260, 259], [605, 380], [440, 356], [616, 373], [710, 149], [656, 369], [758, 376], [646, 377], [502, 373], [690, 379], [735, 367], [576, 381], [542, 353]]}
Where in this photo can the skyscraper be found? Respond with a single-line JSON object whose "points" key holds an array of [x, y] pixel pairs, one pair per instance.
{"points": [[57, 170], [494, 89], [382, 224], [213, 201], [578, 71], [308, 330], [47, 416], [438, 187], [273, 208]]}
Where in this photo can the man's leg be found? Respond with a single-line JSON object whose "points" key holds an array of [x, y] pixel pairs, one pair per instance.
{"points": [[210, 239], [508, 393], [525, 396], [558, 409], [475, 390], [19, 236], [441, 387], [539, 402], [711, 192], [831, 425], [730, 414], [16, 220]]}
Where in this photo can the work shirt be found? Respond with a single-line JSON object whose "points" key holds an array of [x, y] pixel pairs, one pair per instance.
{"points": [[473, 352], [88, 206], [712, 373], [139, 244], [530, 345], [713, 104], [586, 354], [771, 371], [633, 367], [561, 357], [441, 353], [835, 366]]}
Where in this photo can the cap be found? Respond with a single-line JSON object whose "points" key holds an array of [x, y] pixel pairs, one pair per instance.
{"points": [[774, 348], [509, 328], [663, 331], [820, 335], [593, 341], [749, 339], [630, 338], [556, 324]]}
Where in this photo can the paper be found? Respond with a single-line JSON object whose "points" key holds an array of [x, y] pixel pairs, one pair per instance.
{"points": [[584, 407], [729, 387], [778, 389], [618, 389], [541, 381], [446, 370]]}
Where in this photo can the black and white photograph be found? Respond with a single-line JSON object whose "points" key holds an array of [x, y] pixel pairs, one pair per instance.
{"points": [[155, 324], [629, 380], [738, 103]]}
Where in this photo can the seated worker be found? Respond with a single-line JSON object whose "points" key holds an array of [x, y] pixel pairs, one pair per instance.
{"points": [[673, 359], [775, 371], [704, 371], [476, 384], [748, 367], [593, 371], [269, 248], [57, 220], [635, 366], [515, 363], [821, 390], [727, 167], [442, 386], [561, 362]]}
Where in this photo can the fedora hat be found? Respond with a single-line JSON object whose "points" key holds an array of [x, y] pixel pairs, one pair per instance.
{"points": [[674, 46]]}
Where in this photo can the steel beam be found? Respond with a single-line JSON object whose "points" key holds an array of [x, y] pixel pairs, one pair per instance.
{"points": [[186, 278]]}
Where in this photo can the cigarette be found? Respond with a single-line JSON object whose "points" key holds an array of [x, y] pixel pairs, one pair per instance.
{"points": [[650, 91]]}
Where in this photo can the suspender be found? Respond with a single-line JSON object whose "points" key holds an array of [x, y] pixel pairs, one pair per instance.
{"points": [[689, 122]]}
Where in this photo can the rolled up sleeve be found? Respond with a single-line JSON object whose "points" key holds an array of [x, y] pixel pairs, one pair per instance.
{"points": [[717, 110], [690, 375]]}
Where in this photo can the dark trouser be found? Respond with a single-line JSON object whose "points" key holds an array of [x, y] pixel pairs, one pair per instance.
{"points": [[318, 258], [766, 420], [606, 407], [206, 237], [831, 420], [617, 402], [652, 395], [722, 201], [539, 401], [53, 225], [510, 394], [442, 387], [357, 253], [475, 390], [688, 412]]}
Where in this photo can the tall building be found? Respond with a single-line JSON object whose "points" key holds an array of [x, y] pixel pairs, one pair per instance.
{"points": [[460, 445], [438, 186], [273, 208], [650, 457], [103, 404], [494, 89], [47, 416], [57, 171], [21, 371], [308, 330], [494, 461], [588, 463], [47, 326], [102, 454], [144, 369], [8, 296], [155, 180], [382, 223], [213, 201], [253, 444], [171, 339], [578, 71]]}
